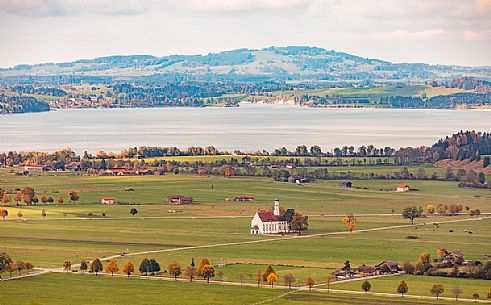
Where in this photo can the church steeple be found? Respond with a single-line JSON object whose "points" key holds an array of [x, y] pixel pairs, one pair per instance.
{"points": [[277, 206]]}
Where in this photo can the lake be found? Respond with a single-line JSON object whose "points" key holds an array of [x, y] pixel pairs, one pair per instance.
{"points": [[249, 127]]}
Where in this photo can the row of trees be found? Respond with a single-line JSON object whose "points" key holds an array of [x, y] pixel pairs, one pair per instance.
{"points": [[8, 265], [28, 196]]}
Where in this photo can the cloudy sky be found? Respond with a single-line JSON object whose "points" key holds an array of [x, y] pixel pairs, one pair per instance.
{"points": [[432, 31]]}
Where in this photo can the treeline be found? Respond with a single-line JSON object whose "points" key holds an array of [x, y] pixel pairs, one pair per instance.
{"points": [[31, 89], [21, 104], [437, 102], [466, 83], [469, 145]]}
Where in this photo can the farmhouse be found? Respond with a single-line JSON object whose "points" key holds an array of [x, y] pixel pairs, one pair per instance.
{"points": [[179, 199], [107, 200], [34, 167], [402, 187], [73, 166], [345, 184], [297, 179], [244, 198], [269, 222]]}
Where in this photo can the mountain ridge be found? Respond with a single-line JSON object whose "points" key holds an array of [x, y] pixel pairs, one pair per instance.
{"points": [[285, 63]]}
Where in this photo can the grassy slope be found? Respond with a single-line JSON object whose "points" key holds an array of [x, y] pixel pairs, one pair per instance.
{"points": [[421, 285], [71, 289]]}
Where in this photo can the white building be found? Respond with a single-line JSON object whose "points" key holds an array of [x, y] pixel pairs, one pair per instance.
{"points": [[402, 188], [268, 222]]}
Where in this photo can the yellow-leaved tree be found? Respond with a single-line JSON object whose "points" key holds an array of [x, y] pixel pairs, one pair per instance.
{"points": [[111, 267], [128, 268], [272, 278]]}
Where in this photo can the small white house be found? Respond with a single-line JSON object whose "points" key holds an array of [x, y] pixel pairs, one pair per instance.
{"points": [[269, 222], [402, 188], [107, 200]]}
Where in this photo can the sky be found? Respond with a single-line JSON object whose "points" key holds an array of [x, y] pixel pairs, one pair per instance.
{"points": [[453, 32]]}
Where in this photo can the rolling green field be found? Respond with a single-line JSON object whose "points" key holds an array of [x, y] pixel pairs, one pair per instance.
{"points": [[173, 232], [103, 290], [212, 195]]}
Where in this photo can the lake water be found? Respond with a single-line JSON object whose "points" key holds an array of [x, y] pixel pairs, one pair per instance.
{"points": [[249, 127]]}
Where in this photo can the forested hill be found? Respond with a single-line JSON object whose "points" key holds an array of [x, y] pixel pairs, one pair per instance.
{"points": [[21, 104], [468, 145], [274, 63]]}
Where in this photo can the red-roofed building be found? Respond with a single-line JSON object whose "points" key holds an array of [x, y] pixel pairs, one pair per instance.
{"points": [[402, 187], [35, 167], [108, 200], [269, 222], [244, 198]]}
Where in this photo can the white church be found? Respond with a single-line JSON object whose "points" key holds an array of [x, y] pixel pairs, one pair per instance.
{"points": [[268, 222]]}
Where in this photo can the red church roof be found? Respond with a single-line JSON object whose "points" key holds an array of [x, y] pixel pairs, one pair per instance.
{"points": [[270, 216]]}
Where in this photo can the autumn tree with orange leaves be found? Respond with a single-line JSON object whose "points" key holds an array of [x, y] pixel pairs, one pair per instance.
{"points": [[350, 222]]}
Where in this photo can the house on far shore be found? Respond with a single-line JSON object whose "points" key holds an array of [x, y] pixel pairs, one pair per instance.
{"points": [[291, 166], [402, 187], [244, 198], [345, 184], [107, 200], [179, 199]]}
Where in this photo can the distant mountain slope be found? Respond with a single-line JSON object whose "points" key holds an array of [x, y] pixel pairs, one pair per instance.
{"points": [[286, 63]]}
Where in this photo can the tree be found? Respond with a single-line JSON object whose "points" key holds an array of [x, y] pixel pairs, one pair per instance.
{"points": [[10, 268], [74, 197], [44, 199], [328, 283], [43, 213], [267, 271], [350, 222], [310, 283], [241, 277], [67, 265], [300, 223], [191, 272], [402, 288], [411, 213], [457, 291], [441, 252], [19, 214], [6, 199], [60, 200], [17, 198], [430, 209], [28, 194], [154, 266], [424, 263], [5, 262], [259, 277], [83, 266], [133, 211], [111, 267], [208, 272], [408, 268], [21, 265], [96, 266], [174, 269], [489, 293], [29, 266], [366, 286], [288, 280], [145, 266], [475, 296], [201, 266], [272, 277], [128, 268], [437, 289], [3, 213], [347, 266]]}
